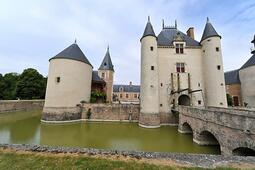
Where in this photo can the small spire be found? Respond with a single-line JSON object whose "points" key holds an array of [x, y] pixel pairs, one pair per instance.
{"points": [[163, 24], [149, 20], [207, 20], [75, 41], [108, 47], [175, 24]]}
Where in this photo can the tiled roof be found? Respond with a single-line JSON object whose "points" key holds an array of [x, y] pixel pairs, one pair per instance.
{"points": [[232, 77], [167, 35], [126, 88], [107, 62], [96, 78], [209, 31], [72, 52], [250, 62]]}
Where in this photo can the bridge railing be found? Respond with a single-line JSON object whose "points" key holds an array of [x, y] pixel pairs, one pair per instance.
{"points": [[238, 119]]}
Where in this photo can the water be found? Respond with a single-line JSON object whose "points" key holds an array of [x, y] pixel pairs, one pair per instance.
{"points": [[26, 128]]}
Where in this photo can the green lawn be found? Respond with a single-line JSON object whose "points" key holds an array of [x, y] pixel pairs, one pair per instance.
{"points": [[12, 160]]}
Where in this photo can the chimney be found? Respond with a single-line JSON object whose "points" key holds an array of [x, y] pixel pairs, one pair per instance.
{"points": [[130, 83], [190, 33]]}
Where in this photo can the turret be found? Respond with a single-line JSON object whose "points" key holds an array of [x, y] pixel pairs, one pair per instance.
{"points": [[149, 95], [247, 78], [215, 92], [106, 72], [69, 83]]}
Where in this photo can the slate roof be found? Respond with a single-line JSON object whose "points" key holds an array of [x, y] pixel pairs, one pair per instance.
{"points": [[126, 88], [209, 31], [72, 52], [166, 37], [148, 30], [96, 78], [107, 62], [250, 62], [232, 77]]}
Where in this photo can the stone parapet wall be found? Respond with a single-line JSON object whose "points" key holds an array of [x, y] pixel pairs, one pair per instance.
{"points": [[231, 128], [120, 112], [233, 118], [19, 105]]}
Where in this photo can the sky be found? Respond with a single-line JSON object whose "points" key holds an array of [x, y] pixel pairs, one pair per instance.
{"points": [[32, 31]]}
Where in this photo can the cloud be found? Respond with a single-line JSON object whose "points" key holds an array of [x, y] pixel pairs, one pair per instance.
{"points": [[33, 31]]}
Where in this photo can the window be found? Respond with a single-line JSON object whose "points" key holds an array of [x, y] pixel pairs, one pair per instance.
{"points": [[218, 67], [152, 67], [126, 95], [120, 95], [179, 48], [105, 64], [135, 95], [151, 48], [198, 84], [161, 84], [103, 75], [180, 67], [217, 49], [161, 105], [57, 79], [199, 102]]}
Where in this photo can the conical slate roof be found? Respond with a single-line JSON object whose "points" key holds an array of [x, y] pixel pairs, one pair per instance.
{"points": [[107, 62], [209, 31], [72, 52], [250, 62], [148, 30]]}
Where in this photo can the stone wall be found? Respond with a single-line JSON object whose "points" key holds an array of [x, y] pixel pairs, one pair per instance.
{"points": [[19, 105], [104, 112], [232, 128]]}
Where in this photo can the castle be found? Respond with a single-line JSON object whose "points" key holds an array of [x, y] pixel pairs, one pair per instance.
{"points": [[178, 70], [71, 80], [240, 82]]}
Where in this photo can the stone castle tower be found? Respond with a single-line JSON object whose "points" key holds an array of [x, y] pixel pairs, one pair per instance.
{"points": [[212, 58], [69, 83], [178, 70], [149, 95], [106, 72]]}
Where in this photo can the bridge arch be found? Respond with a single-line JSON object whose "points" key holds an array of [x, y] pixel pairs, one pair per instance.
{"points": [[205, 137], [184, 100], [244, 151], [185, 128]]}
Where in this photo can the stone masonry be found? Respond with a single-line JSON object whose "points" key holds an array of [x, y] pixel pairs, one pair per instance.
{"points": [[230, 128]]}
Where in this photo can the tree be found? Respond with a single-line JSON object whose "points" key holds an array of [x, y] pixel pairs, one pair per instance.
{"points": [[229, 100], [8, 84], [31, 85]]}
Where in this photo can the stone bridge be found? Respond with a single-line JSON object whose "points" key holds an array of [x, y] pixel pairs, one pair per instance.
{"points": [[232, 129]]}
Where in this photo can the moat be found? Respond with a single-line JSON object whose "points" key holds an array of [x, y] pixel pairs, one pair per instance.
{"points": [[26, 128]]}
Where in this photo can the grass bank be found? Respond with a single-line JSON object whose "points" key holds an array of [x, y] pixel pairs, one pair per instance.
{"points": [[10, 159]]}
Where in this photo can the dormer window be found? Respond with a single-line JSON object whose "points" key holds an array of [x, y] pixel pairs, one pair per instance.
{"points": [[121, 89], [103, 75], [179, 48], [105, 64]]}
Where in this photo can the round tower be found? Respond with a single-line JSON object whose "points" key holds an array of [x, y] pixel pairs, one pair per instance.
{"points": [[247, 78], [149, 96], [68, 85], [215, 92], [106, 72]]}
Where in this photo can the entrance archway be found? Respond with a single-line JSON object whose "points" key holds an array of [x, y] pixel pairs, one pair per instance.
{"points": [[184, 100]]}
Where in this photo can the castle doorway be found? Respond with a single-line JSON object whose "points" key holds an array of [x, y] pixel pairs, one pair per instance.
{"points": [[184, 100]]}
